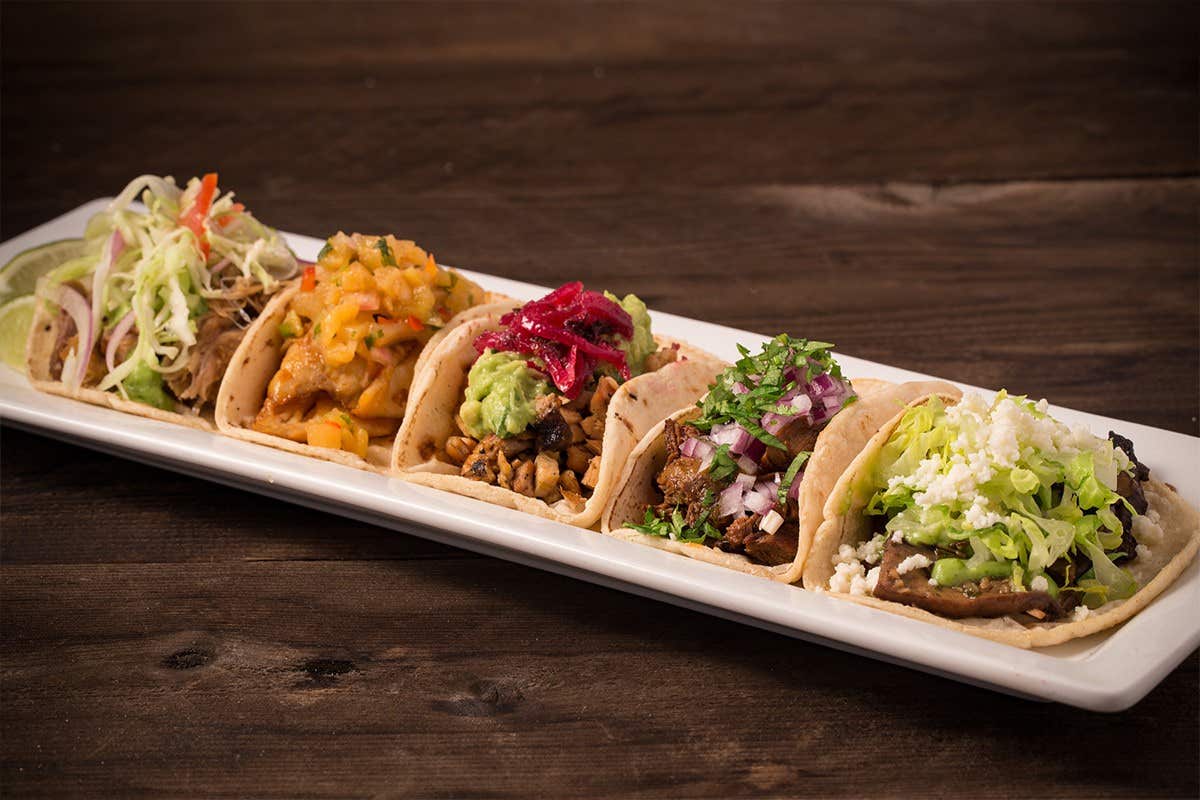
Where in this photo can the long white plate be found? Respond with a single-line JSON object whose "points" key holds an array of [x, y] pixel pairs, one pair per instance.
{"points": [[1106, 672]]}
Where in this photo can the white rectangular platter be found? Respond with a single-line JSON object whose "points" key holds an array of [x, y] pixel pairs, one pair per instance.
{"points": [[1105, 672]]}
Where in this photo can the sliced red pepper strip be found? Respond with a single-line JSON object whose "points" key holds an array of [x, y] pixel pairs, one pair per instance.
{"points": [[193, 218], [309, 281], [415, 323]]}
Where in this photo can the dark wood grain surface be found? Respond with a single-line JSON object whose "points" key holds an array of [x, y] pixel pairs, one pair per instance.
{"points": [[1003, 194]]}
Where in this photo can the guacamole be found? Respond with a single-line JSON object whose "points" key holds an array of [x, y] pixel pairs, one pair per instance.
{"points": [[639, 348], [145, 385], [501, 396]]}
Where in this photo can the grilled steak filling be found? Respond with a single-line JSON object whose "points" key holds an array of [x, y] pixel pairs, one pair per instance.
{"points": [[991, 597]]}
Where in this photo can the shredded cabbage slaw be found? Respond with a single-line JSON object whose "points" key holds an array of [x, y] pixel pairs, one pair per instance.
{"points": [[154, 271]]}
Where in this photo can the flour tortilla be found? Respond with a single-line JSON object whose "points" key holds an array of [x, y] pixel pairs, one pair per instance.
{"points": [[1170, 528], [636, 405], [39, 353], [257, 359], [836, 447]]}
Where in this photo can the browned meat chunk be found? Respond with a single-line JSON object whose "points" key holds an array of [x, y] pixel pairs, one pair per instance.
{"points": [[1140, 470], [988, 598], [743, 536], [552, 430], [683, 482]]}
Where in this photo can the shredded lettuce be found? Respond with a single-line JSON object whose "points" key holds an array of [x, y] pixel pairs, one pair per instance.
{"points": [[1022, 488], [162, 274]]}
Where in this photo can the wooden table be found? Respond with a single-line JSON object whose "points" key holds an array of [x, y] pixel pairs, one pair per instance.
{"points": [[1001, 194]]}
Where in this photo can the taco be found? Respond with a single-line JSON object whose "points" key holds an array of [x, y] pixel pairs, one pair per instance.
{"points": [[327, 369], [146, 321], [536, 409], [997, 520], [740, 478]]}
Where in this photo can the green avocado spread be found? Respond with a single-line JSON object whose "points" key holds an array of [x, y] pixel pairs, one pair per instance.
{"points": [[638, 348], [145, 385], [501, 396]]}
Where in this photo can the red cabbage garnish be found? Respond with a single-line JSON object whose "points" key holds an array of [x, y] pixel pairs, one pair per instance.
{"points": [[565, 334]]}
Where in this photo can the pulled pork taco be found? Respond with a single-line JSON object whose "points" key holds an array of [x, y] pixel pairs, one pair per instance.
{"points": [[740, 478], [997, 520], [146, 321], [537, 408], [327, 369]]}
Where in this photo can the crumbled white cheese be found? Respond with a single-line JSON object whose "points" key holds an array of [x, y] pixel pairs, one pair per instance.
{"points": [[898, 537], [1146, 530], [871, 551], [1039, 584], [1081, 613], [844, 574], [997, 437], [864, 586], [915, 561], [980, 515]]}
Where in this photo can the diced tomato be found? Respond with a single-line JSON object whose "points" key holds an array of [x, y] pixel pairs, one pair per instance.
{"points": [[193, 218], [309, 281], [415, 323]]}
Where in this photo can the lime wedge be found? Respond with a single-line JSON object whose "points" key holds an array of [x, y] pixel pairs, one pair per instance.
{"points": [[20, 276], [15, 318]]}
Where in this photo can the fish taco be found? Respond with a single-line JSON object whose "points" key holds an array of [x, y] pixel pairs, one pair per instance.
{"points": [[995, 519], [537, 407], [740, 478], [327, 369], [147, 319]]}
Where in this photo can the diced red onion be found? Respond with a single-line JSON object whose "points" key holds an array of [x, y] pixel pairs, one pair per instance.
{"points": [[747, 464], [81, 314], [730, 502], [727, 433], [758, 503], [745, 481], [114, 340], [822, 385], [802, 403], [694, 447], [739, 388], [773, 423], [116, 246], [367, 301], [794, 489], [382, 355]]}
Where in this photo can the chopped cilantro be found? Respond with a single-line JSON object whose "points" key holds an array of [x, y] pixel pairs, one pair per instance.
{"points": [[326, 250], [792, 471], [382, 246], [676, 527], [783, 363], [723, 466], [371, 338]]}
